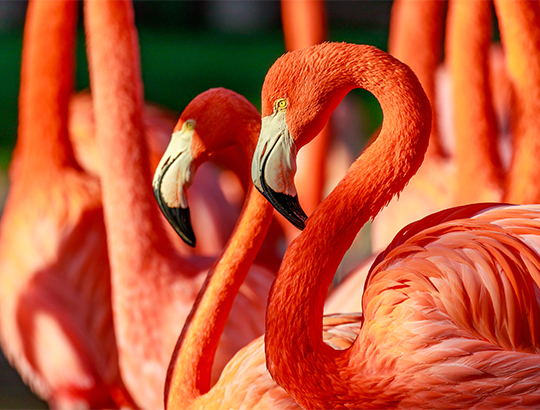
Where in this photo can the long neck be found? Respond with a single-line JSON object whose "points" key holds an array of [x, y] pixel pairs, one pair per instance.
{"points": [[134, 230], [297, 357], [416, 38], [477, 158], [46, 86], [520, 35], [189, 372]]}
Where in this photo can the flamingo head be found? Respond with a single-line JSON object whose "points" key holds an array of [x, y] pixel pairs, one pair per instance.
{"points": [[172, 178], [212, 122], [297, 99]]}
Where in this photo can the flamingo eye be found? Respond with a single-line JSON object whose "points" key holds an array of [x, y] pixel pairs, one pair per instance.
{"points": [[281, 104], [189, 124]]}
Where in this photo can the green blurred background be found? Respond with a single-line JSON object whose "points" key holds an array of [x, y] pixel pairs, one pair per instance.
{"points": [[186, 47]]}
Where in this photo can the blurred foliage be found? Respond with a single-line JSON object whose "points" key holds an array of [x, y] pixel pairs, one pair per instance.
{"points": [[10, 52]]}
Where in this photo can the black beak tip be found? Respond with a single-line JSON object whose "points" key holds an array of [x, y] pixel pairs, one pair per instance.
{"points": [[286, 205], [180, 220]]}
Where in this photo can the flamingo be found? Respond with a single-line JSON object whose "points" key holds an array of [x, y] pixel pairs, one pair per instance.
{"points": [[450, 308], [56, 318], [213, 121], [415, 38], [153, 287], [182, 160]]}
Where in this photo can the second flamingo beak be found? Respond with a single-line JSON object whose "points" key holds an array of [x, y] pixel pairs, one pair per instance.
{"points": [[274, 166], [172, 178]]}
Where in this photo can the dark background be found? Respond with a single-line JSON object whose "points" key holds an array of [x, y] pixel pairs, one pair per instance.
{"points": [[187, 47]]}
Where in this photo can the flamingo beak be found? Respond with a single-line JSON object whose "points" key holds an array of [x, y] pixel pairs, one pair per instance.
{"points": [[172, 178], [274, 166]]}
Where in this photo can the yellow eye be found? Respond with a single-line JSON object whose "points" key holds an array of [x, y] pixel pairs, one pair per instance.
{"points": [[189, 124], [282, 104]]}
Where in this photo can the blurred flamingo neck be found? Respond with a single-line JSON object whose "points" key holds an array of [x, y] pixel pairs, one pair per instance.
{"points": [[416, 38], [475, 127], [304, 23], [46, 86], [294, 345], [134, 229], [520, 36]]}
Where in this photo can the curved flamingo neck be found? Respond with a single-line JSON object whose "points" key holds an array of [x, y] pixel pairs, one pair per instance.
{"points": [[297, 357], [134, 229], [190, 369], [46, 86]]}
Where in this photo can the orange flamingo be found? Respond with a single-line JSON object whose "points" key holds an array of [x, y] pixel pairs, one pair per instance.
{"points": [[214, 120], [55, 289], [186, 153], [153, 287], [451, 313], [416, 38]]}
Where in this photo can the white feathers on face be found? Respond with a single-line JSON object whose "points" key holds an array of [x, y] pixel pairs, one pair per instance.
{"points": [[175, 172], [275, 155]]}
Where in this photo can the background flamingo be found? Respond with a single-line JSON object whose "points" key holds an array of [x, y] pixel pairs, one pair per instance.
{"points": [[55, 290], [453, 287], [217, 212], [153, 287]]}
